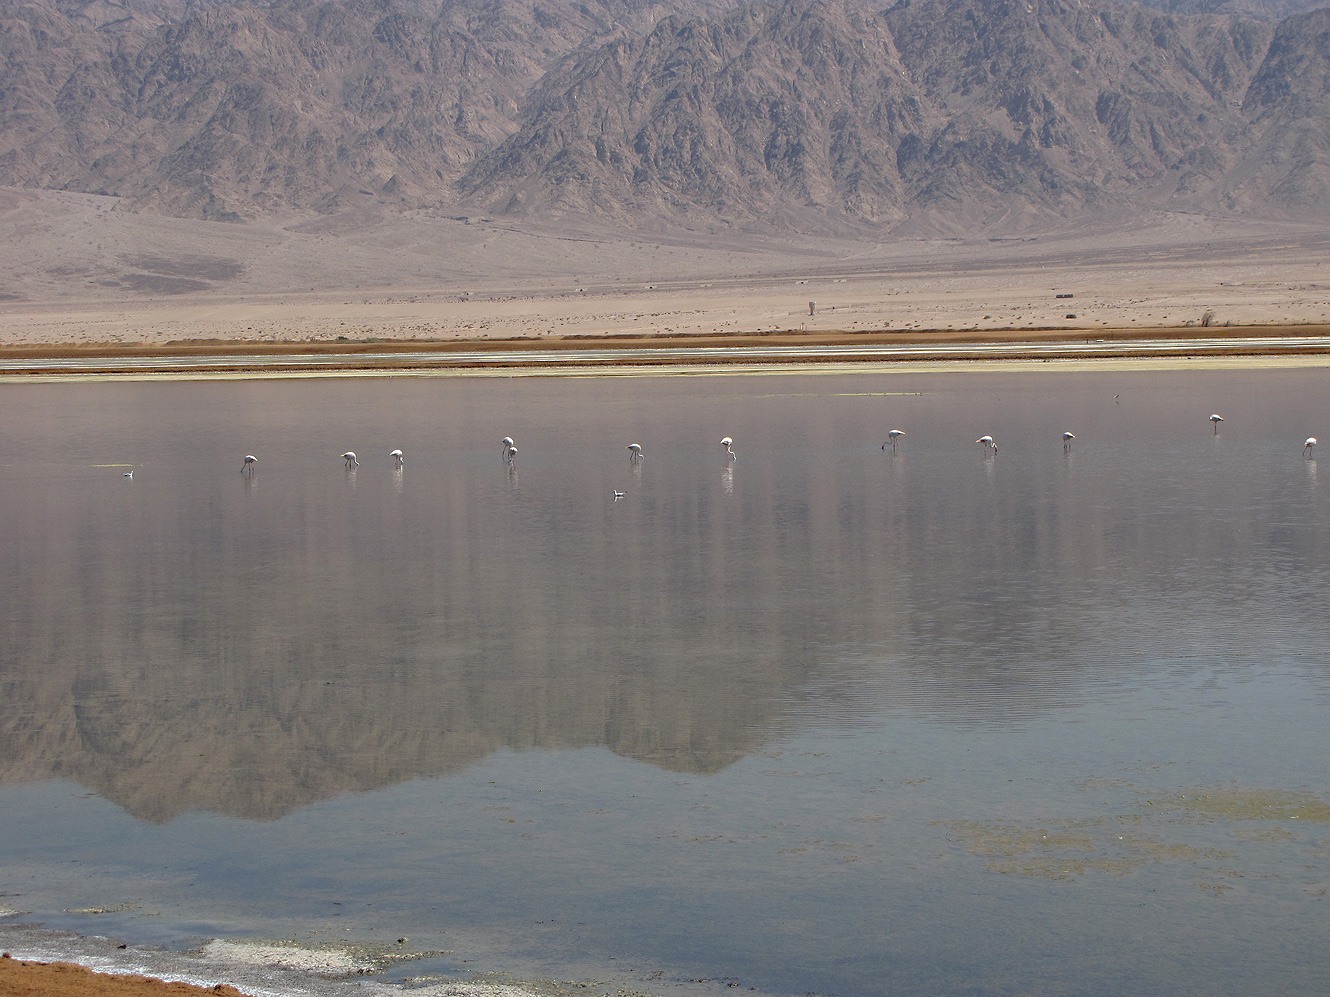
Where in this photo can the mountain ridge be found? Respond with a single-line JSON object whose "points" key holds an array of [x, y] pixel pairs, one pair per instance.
{"points": [[809, 115]]}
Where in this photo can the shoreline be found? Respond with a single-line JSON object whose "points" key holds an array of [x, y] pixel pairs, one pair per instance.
{"points": [[662, 354], [60, 963], [921, 338], [43, 962]]}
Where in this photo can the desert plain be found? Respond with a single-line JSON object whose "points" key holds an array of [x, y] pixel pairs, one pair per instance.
{"points": [[78, 272]]}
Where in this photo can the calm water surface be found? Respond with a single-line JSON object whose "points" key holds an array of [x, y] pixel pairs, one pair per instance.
{"points": [[828, 719]]}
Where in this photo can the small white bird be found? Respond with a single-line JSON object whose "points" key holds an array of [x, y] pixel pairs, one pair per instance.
{"points": [[618, 495], [988, 442], [636, 449], [129, 474], [1066, 440], [398, 456], [1216, 419], [351, 459], [728, 443], [250, 461], [892, 436], [1309, 446]]}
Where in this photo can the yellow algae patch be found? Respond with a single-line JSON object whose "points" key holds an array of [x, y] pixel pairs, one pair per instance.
{"points": [[1121, 843], [1264, 834], [1015, 839], [1234, 804], [1055, 867], [1069, 849]]}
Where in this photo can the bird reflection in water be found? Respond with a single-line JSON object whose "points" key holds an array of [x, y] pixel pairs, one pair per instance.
{"points": [[727, 479], [247, 472]]}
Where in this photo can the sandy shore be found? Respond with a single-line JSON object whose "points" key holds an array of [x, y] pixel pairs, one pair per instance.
{"points": [[46, 963], [21, 978]]}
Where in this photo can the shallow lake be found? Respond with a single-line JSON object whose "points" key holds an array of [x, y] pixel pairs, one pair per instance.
{"points": [[827, 718]]}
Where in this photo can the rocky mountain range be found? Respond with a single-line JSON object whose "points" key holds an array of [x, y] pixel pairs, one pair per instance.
{"points": [[801, 114]]}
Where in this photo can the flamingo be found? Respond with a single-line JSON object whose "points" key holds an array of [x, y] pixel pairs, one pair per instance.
{"points": [[1066, 440], [509, 452], [248, 465], [892, 436], [988, 442], [728, 443], [507, 442], [636, 449], [398, 456], [1309, 446], [351, 459], [1216, 419]]}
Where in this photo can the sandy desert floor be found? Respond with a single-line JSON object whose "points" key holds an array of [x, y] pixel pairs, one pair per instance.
{"points": [[77, 271]]}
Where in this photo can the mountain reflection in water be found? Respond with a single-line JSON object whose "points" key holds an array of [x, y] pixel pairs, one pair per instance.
{"points": [[195, 639]]}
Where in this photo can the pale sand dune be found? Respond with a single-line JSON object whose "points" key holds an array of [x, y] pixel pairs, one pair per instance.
{"points": [[75, 270]]}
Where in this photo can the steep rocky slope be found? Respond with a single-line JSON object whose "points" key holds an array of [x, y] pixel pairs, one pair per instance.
{"points": [[950, 108], [805, 114], [1289, 165], [221, 110]]}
